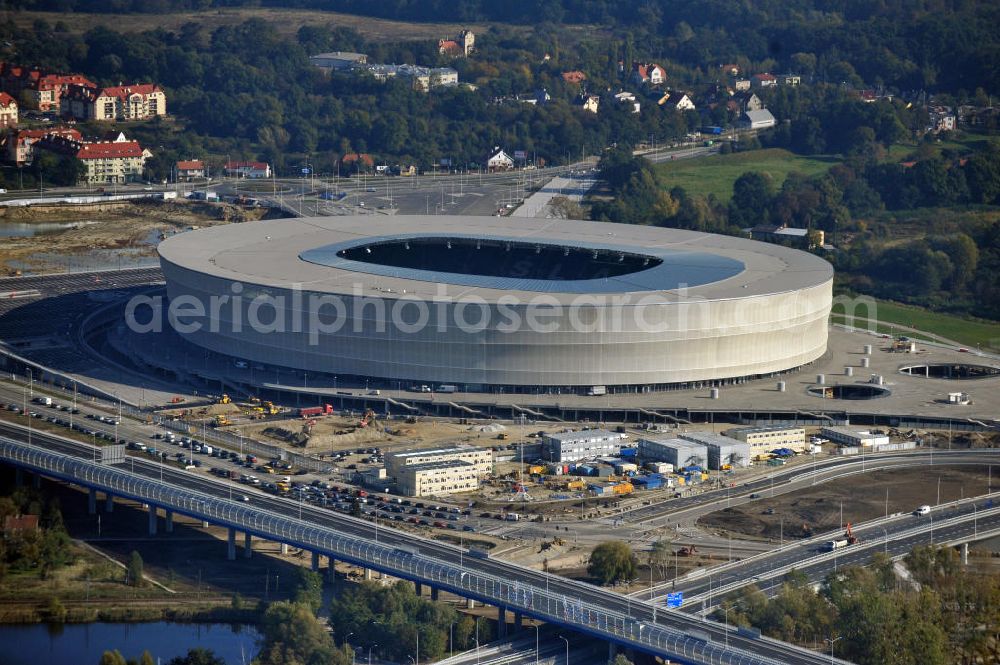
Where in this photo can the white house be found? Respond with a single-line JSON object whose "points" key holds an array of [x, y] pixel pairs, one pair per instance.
{"points": [[498, 160], [248, 169]]}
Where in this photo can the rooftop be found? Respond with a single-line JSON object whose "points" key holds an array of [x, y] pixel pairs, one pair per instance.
{"points": [[583, 434]]}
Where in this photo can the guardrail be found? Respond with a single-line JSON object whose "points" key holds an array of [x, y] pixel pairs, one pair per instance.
{"points": [[827, 556], [461, 580]]}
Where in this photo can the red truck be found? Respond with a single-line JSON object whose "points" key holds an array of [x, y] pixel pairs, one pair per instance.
{"points": [[310, 411]]}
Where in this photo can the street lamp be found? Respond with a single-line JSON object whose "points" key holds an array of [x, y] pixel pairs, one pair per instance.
{"points": [[831, 642], [370, 653], [567, 648], [537, 625]]}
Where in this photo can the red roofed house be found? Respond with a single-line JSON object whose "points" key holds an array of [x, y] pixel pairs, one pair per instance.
{"points": [[123, 102], [353, 161], [19, 145], [574, 77], [8, 110], [248, 169], [763, 80], [648, 72], [37, 89], [461, 46], [188, 169], [106, 161]]}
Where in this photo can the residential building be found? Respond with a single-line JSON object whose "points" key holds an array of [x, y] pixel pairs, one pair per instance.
{"points": [[582, 444], [789, 79], [741, 85], [941, 119], [437, 478], [588, 102], [679, 452], [673, 99], [764, 80], [107, 162], [245, 169], [186, 170], [729, 69], [748, 101], [648, 72], [118, 103], [626, 97], [722, 450], [574, 77], [479, 459], [20, 144], [463, 45], [498, 160], [762, 440], [760, 119], [421, 78], [853, 438], [338, 60], [37, 89], [8, 110]]}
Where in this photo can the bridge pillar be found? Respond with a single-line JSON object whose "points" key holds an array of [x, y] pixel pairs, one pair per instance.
{"points": [[501, 621], [434, 593], [36, 481], [518, 621], [109, 503], [470, 604], [418, 588], [331, 569], [965, 554], [231, 545], [18, 476], [368, 573], [168, 521], [612, 652], [204, 524], [247, 545], [92, 502], [315, 562], [152, 519]]}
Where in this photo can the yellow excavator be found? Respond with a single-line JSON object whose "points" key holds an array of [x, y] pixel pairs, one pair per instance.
{"points": [[224, 399]]}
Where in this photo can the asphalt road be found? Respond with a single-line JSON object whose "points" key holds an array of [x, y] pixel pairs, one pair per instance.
{"points": [[597, 596]]}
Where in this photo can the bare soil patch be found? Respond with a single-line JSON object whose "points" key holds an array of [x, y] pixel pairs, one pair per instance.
{"points": [[862, 498]]}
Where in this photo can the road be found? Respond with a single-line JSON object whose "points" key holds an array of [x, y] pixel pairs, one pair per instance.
{"points": [[530, 583]]}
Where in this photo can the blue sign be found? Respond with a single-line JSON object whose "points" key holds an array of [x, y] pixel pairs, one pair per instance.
{"points": [[305, 171], [675, 599]]}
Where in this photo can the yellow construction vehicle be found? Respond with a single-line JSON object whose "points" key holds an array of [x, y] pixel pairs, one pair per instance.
{"points": [[224, 399], [254, 400], [222, 420], [271, 409]]}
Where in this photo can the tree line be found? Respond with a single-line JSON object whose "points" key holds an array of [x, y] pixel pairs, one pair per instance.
{"points": [[945, 613]]}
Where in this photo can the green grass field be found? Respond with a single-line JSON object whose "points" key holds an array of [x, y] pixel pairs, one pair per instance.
{"points": [[971, 333], [716, 174]]}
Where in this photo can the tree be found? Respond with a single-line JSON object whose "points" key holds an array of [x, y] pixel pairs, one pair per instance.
{"points": [[134, 570], [620, 659], [197, 656], [308, 587], [112, 658], [752, 193], [293, 634], [611, 562], [661, 555]]}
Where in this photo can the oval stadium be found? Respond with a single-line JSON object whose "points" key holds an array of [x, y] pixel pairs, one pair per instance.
{"points": [[497, 303]]}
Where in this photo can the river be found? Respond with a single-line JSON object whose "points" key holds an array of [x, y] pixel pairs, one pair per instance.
{"points": [[83, 644]]}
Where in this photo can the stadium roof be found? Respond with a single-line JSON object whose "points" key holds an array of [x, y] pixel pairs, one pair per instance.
{"points": [[695, 266]]}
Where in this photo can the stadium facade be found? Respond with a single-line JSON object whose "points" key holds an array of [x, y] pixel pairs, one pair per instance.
{"points": [[484, 303]]}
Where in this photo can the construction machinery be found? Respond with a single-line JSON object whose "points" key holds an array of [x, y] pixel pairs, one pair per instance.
{"points": [[221, 420], [849, 535], [368, 419], [270, 409], [225, 399], [690, 550], [177, 399]]}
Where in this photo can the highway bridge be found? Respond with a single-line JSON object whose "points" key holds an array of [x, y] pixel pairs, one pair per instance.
{"points": [[576, 606]]}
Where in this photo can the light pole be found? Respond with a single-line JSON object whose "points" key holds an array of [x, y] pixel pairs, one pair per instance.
{"points": [[831, 643], [536, 642], [567, 648], [370, 653]]}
